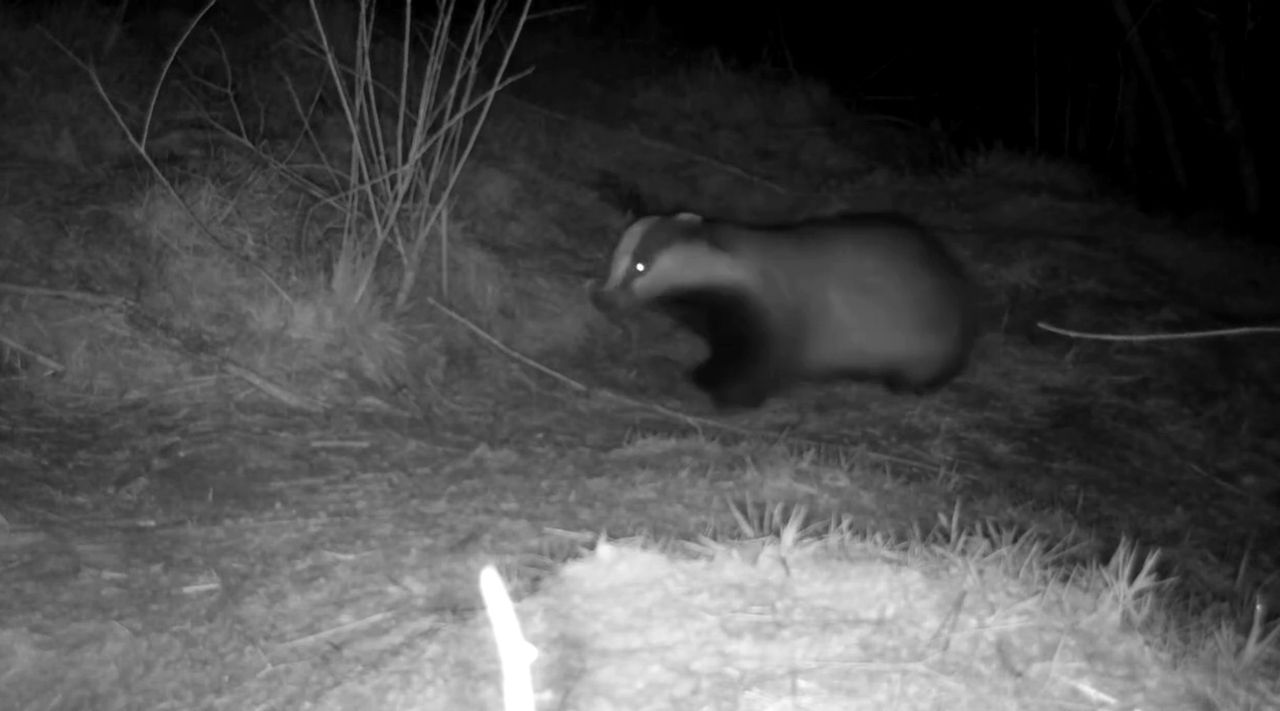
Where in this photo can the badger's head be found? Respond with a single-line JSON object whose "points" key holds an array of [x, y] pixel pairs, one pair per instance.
{"points": [[652, 259]]}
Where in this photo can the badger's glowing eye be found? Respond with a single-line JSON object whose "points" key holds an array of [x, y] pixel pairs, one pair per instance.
{"points": [[641, 267]]}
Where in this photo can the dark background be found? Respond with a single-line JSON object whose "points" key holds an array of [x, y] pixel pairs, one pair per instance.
{"points": [[1163, 97], [1059, 78]]}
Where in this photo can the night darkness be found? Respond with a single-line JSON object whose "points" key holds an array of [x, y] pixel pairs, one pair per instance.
{"points": [[1062, 78], [1164, 99]]}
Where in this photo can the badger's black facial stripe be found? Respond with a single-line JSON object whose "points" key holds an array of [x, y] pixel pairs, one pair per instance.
{"points": [[742, 367], [729, 321]]}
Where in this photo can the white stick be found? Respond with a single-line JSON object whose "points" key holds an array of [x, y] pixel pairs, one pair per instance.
{"points": [[514, 651]]}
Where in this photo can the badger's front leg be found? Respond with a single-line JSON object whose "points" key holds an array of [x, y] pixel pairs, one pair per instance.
{"points": [[736, 379]]}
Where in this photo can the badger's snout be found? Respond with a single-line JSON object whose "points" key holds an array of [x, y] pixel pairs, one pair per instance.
{"points": [[610, 300]]}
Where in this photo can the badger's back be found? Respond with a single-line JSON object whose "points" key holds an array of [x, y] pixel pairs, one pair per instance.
{"points": [[866, 295]]}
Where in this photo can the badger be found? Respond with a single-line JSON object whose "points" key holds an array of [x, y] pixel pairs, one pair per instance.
{"points": [[869, 297]]}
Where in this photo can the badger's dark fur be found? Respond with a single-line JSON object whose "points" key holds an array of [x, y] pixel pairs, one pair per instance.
{"points": [[872, 297]]}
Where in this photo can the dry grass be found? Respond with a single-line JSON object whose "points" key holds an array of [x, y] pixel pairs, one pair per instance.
{"points": [[823, 617], [298, 288], [404, 139], [312, 324]]}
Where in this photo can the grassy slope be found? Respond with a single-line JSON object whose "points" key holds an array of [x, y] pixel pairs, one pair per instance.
{"points": [[178, 537]]}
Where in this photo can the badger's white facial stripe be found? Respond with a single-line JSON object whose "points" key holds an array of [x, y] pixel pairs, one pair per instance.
{"points": [[622, 254], [693, 266]]}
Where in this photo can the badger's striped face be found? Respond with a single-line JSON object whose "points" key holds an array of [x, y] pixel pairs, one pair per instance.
{"points": [[632, 257], [678, 258], [651, 252]]}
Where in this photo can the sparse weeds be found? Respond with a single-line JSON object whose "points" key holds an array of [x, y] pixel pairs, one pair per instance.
{"points": [[1233, 666], [1243, 636], [1127, 588], [408, 137], [405, 115], [305, 329], [231, 259], [1261, 643]]}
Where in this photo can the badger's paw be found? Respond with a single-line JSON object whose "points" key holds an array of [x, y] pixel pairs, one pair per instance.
{"points": [[731, 388]]}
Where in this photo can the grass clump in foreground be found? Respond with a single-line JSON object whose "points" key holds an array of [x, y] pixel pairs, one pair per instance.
{"points": [[820, 617]]}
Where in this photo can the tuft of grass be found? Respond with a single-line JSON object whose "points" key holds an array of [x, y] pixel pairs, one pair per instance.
{"points": [[1130, 580], [301, 333], [408, 137], [382, 163], [232, 269]]}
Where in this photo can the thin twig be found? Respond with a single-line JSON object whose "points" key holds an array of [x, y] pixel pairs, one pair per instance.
{"points": [[80, 296], [1146, 337], [270, 388], [164, 72], [340, 629], [51, 366]]}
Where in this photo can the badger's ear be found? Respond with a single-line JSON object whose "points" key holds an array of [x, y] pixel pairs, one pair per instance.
{"points": [[688, 218]]}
